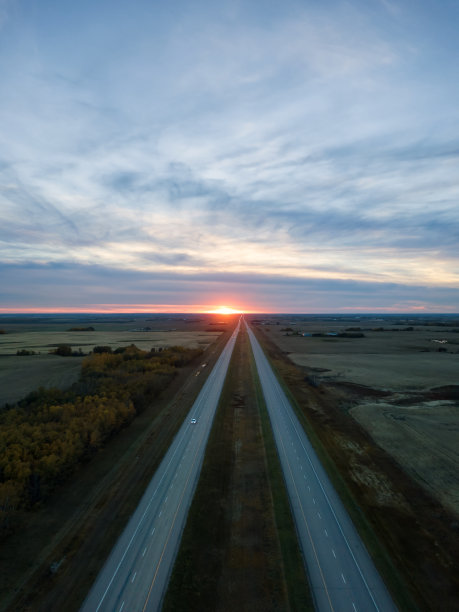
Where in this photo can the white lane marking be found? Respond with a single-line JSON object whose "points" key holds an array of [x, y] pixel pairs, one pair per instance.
{"points": [[166, 499], [344, 579], [309, 488], [314, 501], [333, 553], [160, 513], [289, 413], [353, 605], [318, 514], [122, 606], [301, 467], [138, 526], [152, 531], [133, 577], [144, 551], [326, 533]]}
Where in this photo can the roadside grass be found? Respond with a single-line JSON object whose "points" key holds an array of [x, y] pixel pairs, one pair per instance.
{"points": [[394, 579], [238, 548]]}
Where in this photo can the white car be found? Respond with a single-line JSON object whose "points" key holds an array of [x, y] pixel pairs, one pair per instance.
{"points": [[193, 421]]}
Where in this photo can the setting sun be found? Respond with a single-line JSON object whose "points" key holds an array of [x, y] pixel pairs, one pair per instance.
{"points": [[225, 310]]}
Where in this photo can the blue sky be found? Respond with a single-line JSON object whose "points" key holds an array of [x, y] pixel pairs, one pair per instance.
{"points": [[293, 157]]}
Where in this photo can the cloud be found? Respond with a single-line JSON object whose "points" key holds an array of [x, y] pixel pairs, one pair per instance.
{"points": [[106, 288], [299, 141]]}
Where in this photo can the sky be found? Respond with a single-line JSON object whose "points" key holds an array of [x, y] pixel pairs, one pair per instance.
{"points": [[294, 156]]}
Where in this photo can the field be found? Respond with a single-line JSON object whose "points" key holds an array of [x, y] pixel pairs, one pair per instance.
{"points": [[402, 362], [21, 374], [389, 360], [423, 438]]}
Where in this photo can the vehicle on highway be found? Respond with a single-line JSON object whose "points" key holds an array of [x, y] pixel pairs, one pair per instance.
{"points": [[193, 421]]}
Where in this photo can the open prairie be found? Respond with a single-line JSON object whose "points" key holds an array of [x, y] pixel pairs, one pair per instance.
{"points": [[423, 439], [400, 381], [46, 341], [390, 360], [20, 375]]}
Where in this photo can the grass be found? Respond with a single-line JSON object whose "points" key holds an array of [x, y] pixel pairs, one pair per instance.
{"points": [[22, 375], [239, 551]]}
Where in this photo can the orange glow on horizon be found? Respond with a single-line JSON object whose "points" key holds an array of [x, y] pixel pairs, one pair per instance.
{"points": [[128, 309], [225, 310]]}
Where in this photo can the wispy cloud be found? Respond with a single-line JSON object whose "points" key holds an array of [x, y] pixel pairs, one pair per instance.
{"points": [[312, 143]]}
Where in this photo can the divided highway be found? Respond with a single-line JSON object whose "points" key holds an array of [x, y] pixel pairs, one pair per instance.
{"points": [[341, 572], [136, 573]]}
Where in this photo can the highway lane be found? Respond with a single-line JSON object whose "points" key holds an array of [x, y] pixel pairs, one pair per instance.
{"points": [[135, 575], [341, 572]]}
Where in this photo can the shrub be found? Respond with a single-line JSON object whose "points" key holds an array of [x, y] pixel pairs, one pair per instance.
{"points": [[64, 350], [102, 349]]}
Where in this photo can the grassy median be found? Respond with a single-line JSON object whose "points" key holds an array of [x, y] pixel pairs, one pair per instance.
{"points": [[239, 549]]}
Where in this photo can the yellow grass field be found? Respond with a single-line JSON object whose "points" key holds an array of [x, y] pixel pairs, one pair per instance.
{"points": [[423, 438]]}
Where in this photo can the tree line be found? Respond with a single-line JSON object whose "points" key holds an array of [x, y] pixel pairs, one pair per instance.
{"points": [[44, 436]]}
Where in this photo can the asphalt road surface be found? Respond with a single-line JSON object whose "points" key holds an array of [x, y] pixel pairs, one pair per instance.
{"points": [[341, 572], [135, 575]]}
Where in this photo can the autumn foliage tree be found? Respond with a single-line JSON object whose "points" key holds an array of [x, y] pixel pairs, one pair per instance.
{"points": [[47, 434]]}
